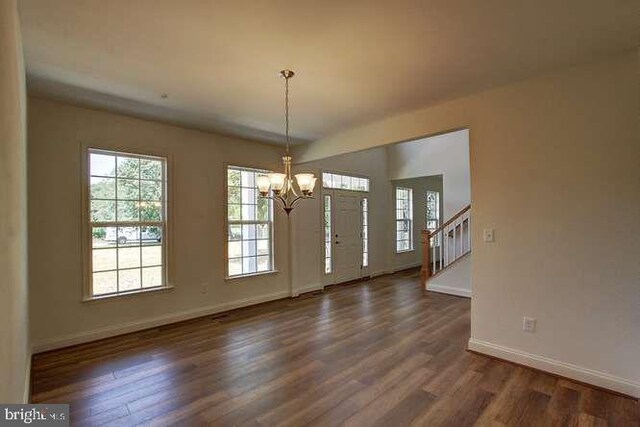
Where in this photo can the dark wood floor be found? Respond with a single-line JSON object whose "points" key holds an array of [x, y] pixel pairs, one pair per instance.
{"points": [[382, 352]]}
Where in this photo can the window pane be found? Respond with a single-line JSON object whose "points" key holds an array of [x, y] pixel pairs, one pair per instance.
{"points": [[249, 231], [263, 247], [128, 189], [151, 255], [129, 280], [150, 190], [249, 265], [326, 180], [262, 210], [235, 249], [249, 196], [234, 195], [233, 178], [248, 212], [103, 237], [150, 169], [127, 236], [234, 212], [264, 263], [336, 181], [128, 167], [248, 179], [235, 232], [150, 211], [105, 283], [129, 257], [128, 210], [103, 188], [249, 248], [104, 259], [262, 231], [151, 277], [235, 266], [103, 211], [102, 164]]}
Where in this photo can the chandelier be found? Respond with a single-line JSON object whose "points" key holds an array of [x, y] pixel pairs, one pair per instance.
{"points": [[279, 186]]}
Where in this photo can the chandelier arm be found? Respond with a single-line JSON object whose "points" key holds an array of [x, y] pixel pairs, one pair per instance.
{"points": [[298, 198]]}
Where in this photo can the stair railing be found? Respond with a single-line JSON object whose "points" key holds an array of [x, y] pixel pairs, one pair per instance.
{"points": [[446, 244]]}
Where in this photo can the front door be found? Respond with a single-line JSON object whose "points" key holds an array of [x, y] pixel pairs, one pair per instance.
{"points": [[347, 237]]}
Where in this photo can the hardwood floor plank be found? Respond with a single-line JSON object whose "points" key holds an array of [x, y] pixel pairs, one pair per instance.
{"points": [[381, 352]]}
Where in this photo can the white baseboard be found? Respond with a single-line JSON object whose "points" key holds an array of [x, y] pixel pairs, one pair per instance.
{"points": [[380, 273], [124, 328], [308, 288], [406, 267], [578, 373], [449, 290]]}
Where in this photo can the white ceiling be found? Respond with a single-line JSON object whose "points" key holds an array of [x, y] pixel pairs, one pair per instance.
{"points": [[356, 61]]}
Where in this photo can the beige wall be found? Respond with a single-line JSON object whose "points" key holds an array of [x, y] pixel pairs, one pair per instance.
{"points": [[567, 245], [14, 322], [196, 162], [446, 155]]}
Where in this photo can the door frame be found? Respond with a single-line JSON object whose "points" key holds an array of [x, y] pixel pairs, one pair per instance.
{"points": [[329, 278]]}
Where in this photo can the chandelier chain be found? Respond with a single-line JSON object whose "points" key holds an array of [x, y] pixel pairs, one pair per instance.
{"points": [[286, 109]]}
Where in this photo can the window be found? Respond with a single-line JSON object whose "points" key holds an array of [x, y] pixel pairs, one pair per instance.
{"points": [[344, 182], [127, 222], [404, 219], [365, 232], [327, 234], [249, 224], [432, 216]]}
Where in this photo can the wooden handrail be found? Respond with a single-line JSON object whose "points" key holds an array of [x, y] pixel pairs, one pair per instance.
{"points": [[449, 221], [425, 271]]}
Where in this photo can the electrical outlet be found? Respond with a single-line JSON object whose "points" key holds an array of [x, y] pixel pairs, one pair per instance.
{"points": [[203, 288], [488, 235], [529, 324]]}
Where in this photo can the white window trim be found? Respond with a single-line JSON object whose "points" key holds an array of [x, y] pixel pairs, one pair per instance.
{"points": [[273, 269], [411, 237], [86, 243]]}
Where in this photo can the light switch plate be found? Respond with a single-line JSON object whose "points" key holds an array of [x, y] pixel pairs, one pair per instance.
{"points": [[529, 324], [488, 235]]}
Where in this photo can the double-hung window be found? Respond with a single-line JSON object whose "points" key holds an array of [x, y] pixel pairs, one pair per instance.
{"points": [[249, 224], [432, 214], [127, 211], [404, 219]]}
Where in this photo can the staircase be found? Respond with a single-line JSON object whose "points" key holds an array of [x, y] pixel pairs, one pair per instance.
{"points": [[445, 245]]}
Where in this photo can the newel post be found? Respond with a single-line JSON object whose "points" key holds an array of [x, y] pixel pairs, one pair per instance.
{"points": [[425, 271]]}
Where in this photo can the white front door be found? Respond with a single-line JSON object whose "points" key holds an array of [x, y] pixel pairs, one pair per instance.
{"points": [[347, 237]]}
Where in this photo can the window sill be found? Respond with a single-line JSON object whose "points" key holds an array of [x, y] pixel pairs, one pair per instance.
{"points": [[405, 251], [127, 294], [245, 276]]}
